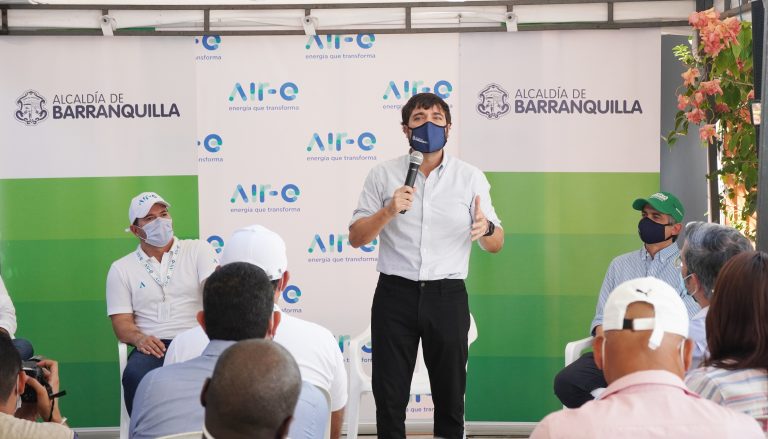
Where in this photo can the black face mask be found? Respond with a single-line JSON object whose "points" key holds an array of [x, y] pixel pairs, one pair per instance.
{"points": [[651, 232]]}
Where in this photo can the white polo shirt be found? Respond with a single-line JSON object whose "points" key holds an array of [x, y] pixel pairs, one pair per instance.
{"points": [[161, 310], [314, 348]]}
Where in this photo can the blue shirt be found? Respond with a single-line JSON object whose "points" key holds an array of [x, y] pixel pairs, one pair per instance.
{"points": [[167, 400], [697, 332], [432, 240], [640, 264]]}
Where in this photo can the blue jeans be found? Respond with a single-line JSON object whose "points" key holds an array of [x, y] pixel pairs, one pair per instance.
{"points": [[138, 365], [26, 351]]}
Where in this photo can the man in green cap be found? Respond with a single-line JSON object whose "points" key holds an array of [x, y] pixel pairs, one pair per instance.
{"points": [[661, 223]]}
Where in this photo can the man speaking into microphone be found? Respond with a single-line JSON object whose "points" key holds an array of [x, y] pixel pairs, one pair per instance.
{"points": [[426, 229]]}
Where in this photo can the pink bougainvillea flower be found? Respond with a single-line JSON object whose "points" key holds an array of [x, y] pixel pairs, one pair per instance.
{"points": [[695, 116], [682, 102], [751, 95], [732, 27], [697, 20], [713, 43], [700, 20], [698, 99], [710, 88], [689, 76], [707, 132], [722, 108], [711, 14]]}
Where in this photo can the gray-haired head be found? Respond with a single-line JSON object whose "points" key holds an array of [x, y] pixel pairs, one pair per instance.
{"points": [[708, 247]]}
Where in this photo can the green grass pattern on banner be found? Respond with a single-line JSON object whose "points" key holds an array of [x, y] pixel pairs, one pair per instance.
{"points": [[561, 232], [58, 238]]}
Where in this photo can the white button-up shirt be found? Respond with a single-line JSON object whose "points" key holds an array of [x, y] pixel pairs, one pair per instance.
{"points": [[432, 240]]}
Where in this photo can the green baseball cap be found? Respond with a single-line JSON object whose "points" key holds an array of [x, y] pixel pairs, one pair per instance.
{"points": [[664, 202]]}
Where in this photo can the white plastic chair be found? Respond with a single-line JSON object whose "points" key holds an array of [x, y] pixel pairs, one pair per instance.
{"points": [[573, 352], [125, 420], [360, 382], [573, 349]]}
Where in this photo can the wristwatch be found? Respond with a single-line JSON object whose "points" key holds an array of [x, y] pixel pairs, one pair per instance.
{"points": [[491, 228]]}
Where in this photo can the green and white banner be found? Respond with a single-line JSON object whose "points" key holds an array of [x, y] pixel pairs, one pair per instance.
{"points": [[87, 123], [566, 126], [282, 131]]}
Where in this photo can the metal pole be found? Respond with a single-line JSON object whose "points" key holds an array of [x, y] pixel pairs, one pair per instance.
{"points": [[762, 151]]}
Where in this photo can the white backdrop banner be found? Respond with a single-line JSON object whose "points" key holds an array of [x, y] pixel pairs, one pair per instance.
{"points": [[577, 101], [288, 128], [136, 99]]}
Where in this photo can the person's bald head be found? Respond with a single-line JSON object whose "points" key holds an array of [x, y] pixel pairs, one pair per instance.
{"points": [[645, 328], [253, 391]]}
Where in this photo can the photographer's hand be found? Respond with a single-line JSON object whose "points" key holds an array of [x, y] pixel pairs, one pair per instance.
{"points": [[44, 402], [28, 410]]}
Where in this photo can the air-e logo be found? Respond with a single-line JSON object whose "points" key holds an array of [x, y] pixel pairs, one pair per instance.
{"points": [[209, 42], [212, 143], [216, 242], [363, 41], [257, 91], [336, 244], [291, 294], [289, 193], [334, 141], [441, 88]]}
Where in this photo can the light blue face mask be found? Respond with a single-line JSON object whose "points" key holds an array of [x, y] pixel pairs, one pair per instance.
{"points": [[428, 137]]}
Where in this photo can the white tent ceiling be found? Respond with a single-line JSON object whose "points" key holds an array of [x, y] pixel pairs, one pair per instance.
{"points": [[174, 17]]}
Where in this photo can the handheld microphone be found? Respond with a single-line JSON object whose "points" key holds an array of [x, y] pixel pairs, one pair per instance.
{"points": [[415, 161]]}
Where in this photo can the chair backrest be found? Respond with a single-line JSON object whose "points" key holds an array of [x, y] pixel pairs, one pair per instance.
{"points": [[125, 420], [312, 416]]}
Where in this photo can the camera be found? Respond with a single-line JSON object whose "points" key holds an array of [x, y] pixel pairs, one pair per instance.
{"points": [[33, 370]]}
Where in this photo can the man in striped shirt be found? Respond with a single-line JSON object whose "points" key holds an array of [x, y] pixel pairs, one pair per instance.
{"points": [[659, 226]]}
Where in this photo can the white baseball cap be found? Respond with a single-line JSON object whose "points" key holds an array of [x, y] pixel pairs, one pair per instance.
{"points": [[259, 246], [670, 314], [141, 204]]}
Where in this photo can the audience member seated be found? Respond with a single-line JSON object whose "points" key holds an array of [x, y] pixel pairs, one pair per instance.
{"points": [[8, 324], [659, 226], [153, 293], [252, 393], [737, 334], [643, 353], [17, 417], [313, 346], [237, 305], [707, 248]]}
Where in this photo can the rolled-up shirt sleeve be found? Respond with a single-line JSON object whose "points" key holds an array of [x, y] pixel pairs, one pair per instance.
{"points": [[482, 187], [7, 311], [370, 200]]}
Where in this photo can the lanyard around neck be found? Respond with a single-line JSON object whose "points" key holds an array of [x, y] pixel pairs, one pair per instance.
{"points": [[155, 273]]}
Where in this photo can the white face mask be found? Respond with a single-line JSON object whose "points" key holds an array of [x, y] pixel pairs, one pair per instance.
{"points": [[159, 232]]}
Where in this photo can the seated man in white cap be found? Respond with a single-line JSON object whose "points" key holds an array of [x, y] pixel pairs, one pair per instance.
{"points": [[314, 347], [644, 353], [154, 293]]}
